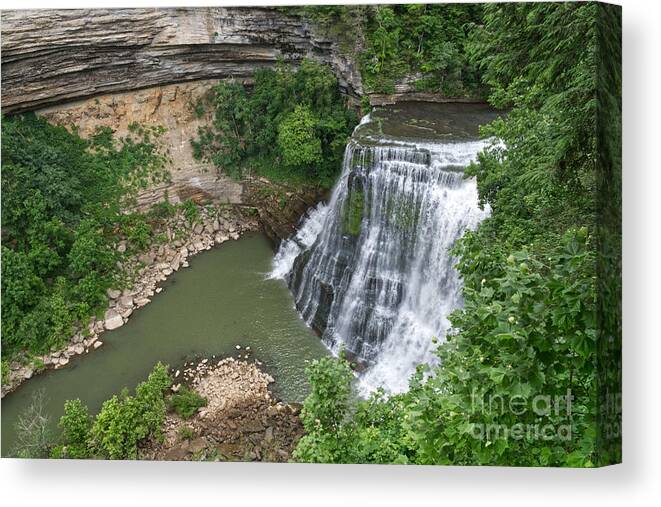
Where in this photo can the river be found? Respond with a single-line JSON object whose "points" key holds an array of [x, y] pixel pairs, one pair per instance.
{"points": [[222, 300]]}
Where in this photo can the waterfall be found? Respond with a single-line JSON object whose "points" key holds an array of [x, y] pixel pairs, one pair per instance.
{"points": [[371, 271]]}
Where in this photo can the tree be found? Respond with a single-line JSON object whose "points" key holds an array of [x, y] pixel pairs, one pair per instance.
{"points": [[125, 421], [33, 435], [297, 140], [75, 425]]}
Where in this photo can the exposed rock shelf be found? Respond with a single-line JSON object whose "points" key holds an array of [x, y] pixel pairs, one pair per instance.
{"points": [[280, 207], [55, 56], [241, 421]]}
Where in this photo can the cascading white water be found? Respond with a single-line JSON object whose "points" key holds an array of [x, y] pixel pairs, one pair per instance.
{"points": [[372, 269]]}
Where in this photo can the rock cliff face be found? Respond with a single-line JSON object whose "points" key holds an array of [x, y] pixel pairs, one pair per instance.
{"points": [[114, 67], [169, 106], [55, 56]]}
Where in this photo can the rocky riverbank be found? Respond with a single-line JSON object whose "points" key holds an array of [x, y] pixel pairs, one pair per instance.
{"points": [[175, 240], [241, 421]]}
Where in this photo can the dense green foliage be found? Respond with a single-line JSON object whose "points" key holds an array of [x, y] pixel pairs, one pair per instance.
{"points": [[60, 219], [609, 234], [298, 143], [123, 423], [517, 380], [290, 125], [423, 41], [75, 425], [185, 402], [341, 430]]}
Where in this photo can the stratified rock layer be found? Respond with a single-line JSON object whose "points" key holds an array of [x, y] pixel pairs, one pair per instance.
{"points": [[167, 106], [55, 56]]}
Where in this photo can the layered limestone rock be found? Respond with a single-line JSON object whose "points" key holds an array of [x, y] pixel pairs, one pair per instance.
{"points": [[56, 56], [168, 106], [113, 67]]}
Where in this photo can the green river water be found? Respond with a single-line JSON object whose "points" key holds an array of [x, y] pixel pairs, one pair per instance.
{"points": [[222, 300]]}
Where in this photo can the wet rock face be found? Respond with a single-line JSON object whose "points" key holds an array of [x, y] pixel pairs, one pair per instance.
{"points": [[55, 56], [280, 206]]}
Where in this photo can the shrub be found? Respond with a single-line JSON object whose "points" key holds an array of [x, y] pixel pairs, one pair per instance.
{"points": [[75, 425], [186, 402], [126, 421], [163, 210], [191, 212], [185, 433], [5, 372], [297, 140]]}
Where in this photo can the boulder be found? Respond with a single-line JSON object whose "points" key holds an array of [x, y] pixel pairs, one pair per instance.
{"points": [[268, 434], [112, 320], [142, 301], [126, 301], [147, 258], [113, 293], [177, 453]]}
